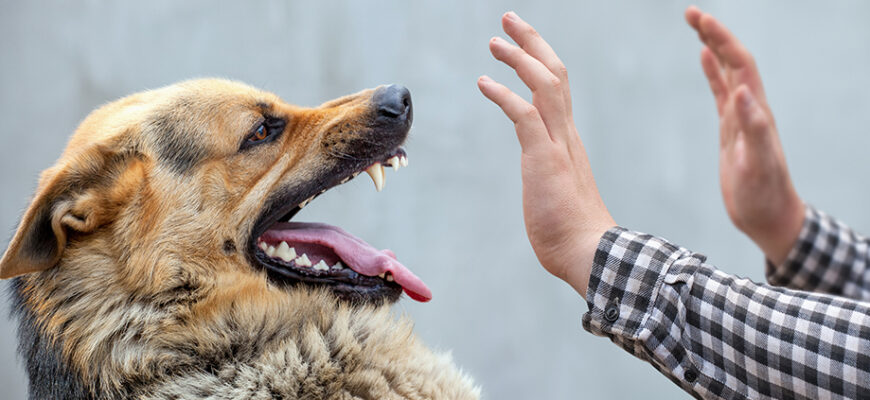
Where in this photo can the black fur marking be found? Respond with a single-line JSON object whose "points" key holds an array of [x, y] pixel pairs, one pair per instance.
{"points": [[50, 377], [264, 106], [174, 146], [229, 246]]}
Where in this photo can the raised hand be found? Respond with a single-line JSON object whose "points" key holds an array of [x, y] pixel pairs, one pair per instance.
{"points": [[564, 214], [758, 193]]}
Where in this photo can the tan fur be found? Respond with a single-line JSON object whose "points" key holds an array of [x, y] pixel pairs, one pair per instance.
{"points": [[139, 292]]}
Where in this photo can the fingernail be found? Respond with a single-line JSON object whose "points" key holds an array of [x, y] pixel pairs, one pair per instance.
{"points": [[512, 16], [485, 79]]}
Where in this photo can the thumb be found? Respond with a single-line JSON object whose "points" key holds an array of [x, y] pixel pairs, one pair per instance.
{"points": [[753, 119]]}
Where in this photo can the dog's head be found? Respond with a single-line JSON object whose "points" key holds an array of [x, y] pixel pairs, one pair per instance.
{"points": [[191, 185]]}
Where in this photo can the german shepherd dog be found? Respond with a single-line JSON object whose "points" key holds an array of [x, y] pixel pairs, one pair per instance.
{"points": [[156, 261]]}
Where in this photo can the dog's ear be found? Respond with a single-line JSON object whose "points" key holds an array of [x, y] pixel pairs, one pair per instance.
{"points": [[73, 197]]}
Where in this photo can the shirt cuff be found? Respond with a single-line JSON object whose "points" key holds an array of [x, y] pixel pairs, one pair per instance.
{"points": [[628, 270], [810, 253]]}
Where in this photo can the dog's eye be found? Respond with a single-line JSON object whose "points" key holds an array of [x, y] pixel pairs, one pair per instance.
{"points": [[266, 132], [260, 134]]}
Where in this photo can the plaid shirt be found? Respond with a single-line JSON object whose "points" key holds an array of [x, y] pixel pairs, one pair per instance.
{"points": [[720, 336]]}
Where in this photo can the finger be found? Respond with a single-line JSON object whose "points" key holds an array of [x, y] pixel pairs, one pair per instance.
{"points": [[732, 55], [693, 17], [713, 72], [531, 41], [752, 117], [531, 131], [546, 87]]}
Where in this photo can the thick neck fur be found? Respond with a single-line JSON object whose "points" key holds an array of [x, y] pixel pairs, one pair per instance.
{"points": [[85, 334]]}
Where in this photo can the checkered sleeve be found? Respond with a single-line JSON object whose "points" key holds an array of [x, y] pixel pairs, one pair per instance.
{"points": [[722, 337], [828, 257]]}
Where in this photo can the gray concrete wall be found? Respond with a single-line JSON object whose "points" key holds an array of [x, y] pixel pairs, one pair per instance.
{"points": [[454, 217]]}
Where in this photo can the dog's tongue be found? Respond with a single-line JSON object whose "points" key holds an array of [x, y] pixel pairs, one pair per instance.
{"points": [[356, 254]]}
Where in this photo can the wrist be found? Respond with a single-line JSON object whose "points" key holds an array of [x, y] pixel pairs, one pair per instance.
{"points": [[579, 271], [777, 241]]}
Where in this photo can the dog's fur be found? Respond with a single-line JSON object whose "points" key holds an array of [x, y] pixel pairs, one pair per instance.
{"points": [[132, 276]]}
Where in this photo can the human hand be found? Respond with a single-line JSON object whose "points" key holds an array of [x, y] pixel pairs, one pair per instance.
{"points": [[564, 214], [759, 196]]}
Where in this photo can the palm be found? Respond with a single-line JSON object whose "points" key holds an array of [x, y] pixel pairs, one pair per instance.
{"points": [[753, 178]]}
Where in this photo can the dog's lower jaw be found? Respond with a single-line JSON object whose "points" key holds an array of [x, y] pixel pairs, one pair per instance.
{"points": [[323, 349]]}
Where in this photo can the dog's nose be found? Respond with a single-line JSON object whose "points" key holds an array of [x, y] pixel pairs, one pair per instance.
{"points": [[393, 102]]}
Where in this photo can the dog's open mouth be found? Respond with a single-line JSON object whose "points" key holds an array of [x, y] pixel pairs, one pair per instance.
{"points": [[321, 254]]}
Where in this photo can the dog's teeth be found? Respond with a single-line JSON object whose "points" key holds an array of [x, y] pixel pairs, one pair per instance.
{"points": [[303, 261], [404, 161], [382, 275], [270, 251], [376, 171], [390, 277], [285, 252], [338, 266], [321, 266], [345, 180], [305, 203], [264, 246], [394, 162]]}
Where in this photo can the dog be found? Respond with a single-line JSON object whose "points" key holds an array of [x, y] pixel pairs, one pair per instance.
{"points": [[156, 261]]}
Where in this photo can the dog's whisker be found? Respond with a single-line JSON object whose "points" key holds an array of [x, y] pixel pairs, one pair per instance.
{"points": [[342, 155]]}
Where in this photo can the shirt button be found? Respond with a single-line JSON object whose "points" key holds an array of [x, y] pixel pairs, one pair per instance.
{"points": [[690, 375], [611, 313]]}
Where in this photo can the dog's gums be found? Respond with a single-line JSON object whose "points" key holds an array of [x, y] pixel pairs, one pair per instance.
{"points": [[321, 254]]}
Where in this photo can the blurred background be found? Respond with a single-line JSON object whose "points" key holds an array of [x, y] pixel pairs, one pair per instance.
{"points": [[454, 217]]}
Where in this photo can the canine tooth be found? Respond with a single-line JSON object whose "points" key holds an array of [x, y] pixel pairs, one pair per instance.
{"points": [[345, 179], [390, 278], [285, 252], [338, 265], [394, 162], [376, 171], [270, 251], [404, 161], [382, 275], [303, 261], [321, 266], [264, 246]]}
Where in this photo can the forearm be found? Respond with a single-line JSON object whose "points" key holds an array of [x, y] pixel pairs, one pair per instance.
{"points": [[718, 336]]}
